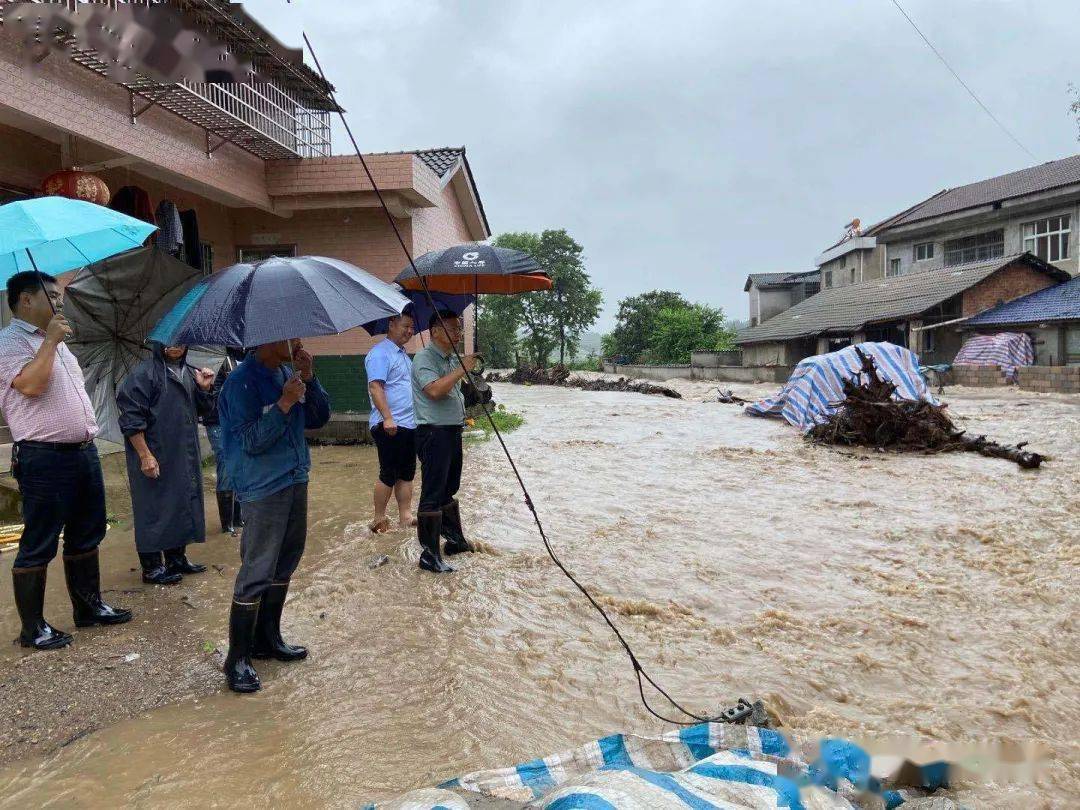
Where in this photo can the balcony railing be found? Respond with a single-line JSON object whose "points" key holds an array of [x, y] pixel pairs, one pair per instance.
{"points": [[261, 116], [272, 112]]}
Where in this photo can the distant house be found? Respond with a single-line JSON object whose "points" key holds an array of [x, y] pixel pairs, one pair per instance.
{"points": [[1033, 210], [1051, 317], [772, 293], [859, 256], [1020, 226], [917, 310]]}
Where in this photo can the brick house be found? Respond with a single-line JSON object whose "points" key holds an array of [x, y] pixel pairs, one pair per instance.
{"points": [[918, 310], [254, 161]]}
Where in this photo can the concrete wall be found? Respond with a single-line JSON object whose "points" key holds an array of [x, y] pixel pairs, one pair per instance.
{"points": [[765, 304], [1044, 379], [713, 359], [902, 247], [1060, 379], [867, 265], [743, 374], [765, 354]]}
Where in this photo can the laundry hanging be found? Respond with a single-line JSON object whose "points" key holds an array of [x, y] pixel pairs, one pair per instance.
{"points": [[170, 236]]}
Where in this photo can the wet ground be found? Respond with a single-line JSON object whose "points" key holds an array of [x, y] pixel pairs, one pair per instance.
{"points": [[859, 594]]}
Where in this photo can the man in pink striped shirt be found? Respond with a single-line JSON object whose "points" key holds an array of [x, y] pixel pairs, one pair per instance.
{"points": [[54, 460]]}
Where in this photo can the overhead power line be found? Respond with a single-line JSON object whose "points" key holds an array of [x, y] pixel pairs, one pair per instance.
{"points": [[963, 84]]}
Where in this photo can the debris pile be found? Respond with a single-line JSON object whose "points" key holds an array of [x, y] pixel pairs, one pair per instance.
{"points": [[869, 416], [560, 375]]}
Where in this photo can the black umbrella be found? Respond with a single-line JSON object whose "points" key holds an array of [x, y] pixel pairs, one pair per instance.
{"points": [[112, 305], [477, 270]]}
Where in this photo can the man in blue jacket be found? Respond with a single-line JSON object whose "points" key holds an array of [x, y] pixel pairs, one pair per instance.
{"points": [[264, 411]]}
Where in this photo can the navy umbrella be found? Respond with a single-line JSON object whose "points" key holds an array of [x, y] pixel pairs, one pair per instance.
{"points": [[421, 310], [278, 299], [476, 269]]}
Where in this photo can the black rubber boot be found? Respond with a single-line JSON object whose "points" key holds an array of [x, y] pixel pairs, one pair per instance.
{"points": [[268, 641], [225, 511], [154, 570], [177, 562], [239, 671], [29, 587], [428, 525], [83, 574], [451, 530]]}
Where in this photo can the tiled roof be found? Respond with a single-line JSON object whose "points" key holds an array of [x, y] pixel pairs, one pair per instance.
{"points": [[781, 279], [441, 160], [1059, 303], [1044, 177], [847, 309]]}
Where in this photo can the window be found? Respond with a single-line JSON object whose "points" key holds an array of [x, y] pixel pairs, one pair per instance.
{"points": [[1048, 238], [1072, 346], [828, 278], [256, 253], [852, 280], [924, 251], [207, 250], [978, 248], [894, 267], [842, 262]]}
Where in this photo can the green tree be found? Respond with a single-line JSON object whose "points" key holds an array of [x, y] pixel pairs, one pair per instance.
{"points": [[635, 322], [554, 319], [498, 323], [678, 331]]}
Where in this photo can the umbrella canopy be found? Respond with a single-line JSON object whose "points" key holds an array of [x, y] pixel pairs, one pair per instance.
{"points": [[421, 311], [112, 306], [278, 299], [476, 269], [57, 234]]}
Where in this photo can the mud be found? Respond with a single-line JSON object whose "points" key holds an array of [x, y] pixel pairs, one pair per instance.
{"points": [[872, 596]]}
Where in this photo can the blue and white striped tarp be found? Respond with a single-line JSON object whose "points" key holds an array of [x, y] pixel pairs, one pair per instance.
{"points": [[711, 765], [1005, 349], [815, 387]]}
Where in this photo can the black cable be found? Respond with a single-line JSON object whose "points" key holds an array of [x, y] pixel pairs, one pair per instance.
{"points": [[963, 84], [639, 671]]}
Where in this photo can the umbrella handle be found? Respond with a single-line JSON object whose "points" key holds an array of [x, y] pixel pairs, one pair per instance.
{"points": [[41, 281]]}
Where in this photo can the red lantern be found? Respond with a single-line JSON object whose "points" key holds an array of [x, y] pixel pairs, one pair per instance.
{"points": [[78, 186]]}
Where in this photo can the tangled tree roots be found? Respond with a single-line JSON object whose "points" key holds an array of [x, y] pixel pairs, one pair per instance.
{"points": [[560, 375], [870, 417]]}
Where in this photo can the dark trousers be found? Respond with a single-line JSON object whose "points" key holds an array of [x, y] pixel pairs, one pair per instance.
{"points": [[62, 490], [439, 448], [275, 530]]}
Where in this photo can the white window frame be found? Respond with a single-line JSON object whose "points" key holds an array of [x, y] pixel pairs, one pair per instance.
{"points": [[893, 270], [929, 251], [1047, 234]]}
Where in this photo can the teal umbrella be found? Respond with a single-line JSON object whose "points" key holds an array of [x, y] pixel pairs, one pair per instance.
{"points": [[56, 234]]}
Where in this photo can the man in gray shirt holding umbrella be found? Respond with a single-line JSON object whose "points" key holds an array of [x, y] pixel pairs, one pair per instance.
{"points": [[440, 417]]}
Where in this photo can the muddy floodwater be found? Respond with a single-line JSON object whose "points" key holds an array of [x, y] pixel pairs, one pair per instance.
{"points": [[858, 594]]}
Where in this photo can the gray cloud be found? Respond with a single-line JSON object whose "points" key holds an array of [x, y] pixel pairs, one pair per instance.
{"points": [[686, 144]]}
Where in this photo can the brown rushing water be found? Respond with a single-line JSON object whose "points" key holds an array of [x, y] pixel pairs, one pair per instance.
{"points": [[860, 595]]}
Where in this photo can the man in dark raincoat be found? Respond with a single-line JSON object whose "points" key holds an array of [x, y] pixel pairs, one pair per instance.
{"points": [[159, 403]]}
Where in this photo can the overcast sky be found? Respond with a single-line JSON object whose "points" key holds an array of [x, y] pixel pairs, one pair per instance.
{"points": [[687, 144]]}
